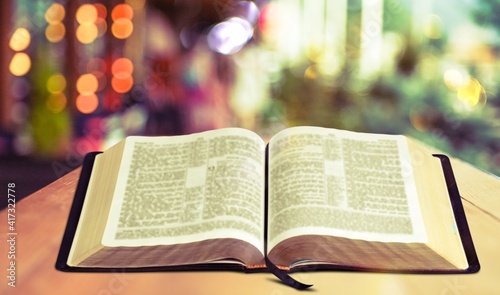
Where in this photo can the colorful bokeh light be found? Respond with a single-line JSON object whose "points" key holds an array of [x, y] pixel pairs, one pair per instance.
{"points": [[122, 11], [55, 32], [87, 84], [230, 36], [20, 64], [56, 102], [472, 93], [122, 83], [455, 78], [122, 28], [87, 33], [100, 22], [56, 83], [87, 104], [86, 14], [55, 13], [20, 40], [122, 66]]}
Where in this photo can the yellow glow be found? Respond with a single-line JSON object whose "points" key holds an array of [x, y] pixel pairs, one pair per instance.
{"points": [[311, 72], [87, 33], [122, 11], [20, 64], [86, 14], [471, 93], [55, 13], [122, 28], [55, 32], [20, 40], [56, 83], [87, 84], [56, 102], [122, 66], [86, 104], [122, 84]]}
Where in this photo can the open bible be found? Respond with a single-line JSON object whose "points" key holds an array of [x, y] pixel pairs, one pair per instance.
{"points": [[311, 198]]}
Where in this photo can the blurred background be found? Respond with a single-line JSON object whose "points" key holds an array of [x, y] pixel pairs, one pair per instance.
{"points": [[78, 76]]}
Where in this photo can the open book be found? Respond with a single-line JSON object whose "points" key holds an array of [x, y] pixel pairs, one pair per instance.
{"points": [[311, 198]]}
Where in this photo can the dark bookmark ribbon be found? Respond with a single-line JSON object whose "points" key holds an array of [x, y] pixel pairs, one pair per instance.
{"points": [[284, 277]]}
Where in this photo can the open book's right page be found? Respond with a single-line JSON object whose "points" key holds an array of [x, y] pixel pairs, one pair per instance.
{"points": [[347, 184]]}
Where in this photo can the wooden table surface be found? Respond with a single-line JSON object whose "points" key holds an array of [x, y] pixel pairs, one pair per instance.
{"points": [[41, 220]]}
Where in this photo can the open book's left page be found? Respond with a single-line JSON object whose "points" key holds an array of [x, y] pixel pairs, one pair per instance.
{"points": [[189, 188], [185, 190]]}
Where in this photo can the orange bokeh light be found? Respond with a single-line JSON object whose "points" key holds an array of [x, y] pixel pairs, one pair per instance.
{"points": [[122, 11], [101, 10], [20, 40], [55, 13], [122, 28], [122, 84], [86, 14], [87, 103], [55, 32], [122, 66], [20, 64], [87, 33], [87, 84]]}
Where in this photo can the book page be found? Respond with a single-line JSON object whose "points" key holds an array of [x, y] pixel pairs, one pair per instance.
{"points": [[189, 188], [332, 182]]}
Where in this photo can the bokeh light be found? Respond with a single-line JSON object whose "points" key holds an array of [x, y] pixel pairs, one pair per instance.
{"points": [[122, 83], [122, 28], [20, 64], [102, 27], [86, 14], [311, 72], [271, 20], [247, 10], [56, 102], [87, 33], [122, 11], [472, 93], [100, 22], [101, 10], [87, 104], [230, 36], [56, 83], [55, 32], [122, 66], [87, 84], [55, 13], [455, 78], [20, 40]]}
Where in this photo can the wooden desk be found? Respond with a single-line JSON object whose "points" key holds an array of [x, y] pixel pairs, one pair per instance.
{"points": [[41, 220]]}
